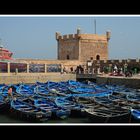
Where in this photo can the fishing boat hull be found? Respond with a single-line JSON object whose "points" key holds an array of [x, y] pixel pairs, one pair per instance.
{"points": [[135, 115], [28, 112], [99, 117]]}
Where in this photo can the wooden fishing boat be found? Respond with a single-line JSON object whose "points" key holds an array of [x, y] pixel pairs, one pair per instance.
{"points": [[133, 98], [90, 96], [57, 112], [74, 107], [112, 101], [42, 91], [47, 105], [108, 115], [105, 101], [27, 111], [4, 90], [25, 90], [4, 104], [82, 90], [60, 89], [135, 115], [125, 101]]}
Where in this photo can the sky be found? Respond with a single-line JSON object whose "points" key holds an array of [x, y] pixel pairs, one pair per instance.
{"points": [[33, 36]]}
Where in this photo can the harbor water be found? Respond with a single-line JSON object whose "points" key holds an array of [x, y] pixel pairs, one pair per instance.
{"points": [[7, 118]]}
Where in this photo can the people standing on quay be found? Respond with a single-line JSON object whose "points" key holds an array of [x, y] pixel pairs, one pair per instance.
{"points": [[79, 69], [71, 69], [10, 92]]}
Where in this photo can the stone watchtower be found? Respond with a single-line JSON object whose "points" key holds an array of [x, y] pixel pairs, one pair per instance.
{"points": [[82, 47]]}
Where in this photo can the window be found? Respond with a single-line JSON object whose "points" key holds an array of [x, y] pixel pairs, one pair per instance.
{"points": [[98, 57], [68, 57]]}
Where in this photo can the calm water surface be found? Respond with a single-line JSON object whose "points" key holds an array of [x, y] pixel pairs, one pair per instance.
{"points": [[6, 118]]}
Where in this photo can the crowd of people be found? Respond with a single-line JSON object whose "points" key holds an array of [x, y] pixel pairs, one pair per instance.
{"points": [[113, 71], [79, 70], [121, 72]]}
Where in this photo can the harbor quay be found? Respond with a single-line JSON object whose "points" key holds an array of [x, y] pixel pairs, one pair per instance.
{"points": [[130, 82], [34, 77], [30, 78], [32, 70]]}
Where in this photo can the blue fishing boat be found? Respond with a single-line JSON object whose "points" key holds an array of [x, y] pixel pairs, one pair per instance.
{"points": [[90, 95], [4, 90], [59, 89], [75, 83], [4, 104], [25, 90], [82, 90], [1, 87], [27, 111], [135, 115], [41, 90], [47, 105], [64, 102], [133, 97], [57, 112]]}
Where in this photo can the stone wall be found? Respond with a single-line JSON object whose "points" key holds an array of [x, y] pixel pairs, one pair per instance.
{"points": [[32, 78], [65, 63], [102, 64], [68, 48], [109, 64], [127, 81], [90, 49]]}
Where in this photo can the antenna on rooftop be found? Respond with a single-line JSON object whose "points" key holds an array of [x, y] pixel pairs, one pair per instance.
{"points": [[95, 25], [0, 42]]}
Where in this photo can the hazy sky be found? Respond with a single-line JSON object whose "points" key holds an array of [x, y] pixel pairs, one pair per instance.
{"points": [[34, 36]]}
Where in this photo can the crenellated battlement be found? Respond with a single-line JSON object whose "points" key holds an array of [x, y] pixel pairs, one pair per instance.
{"points": [[85, 36], [93, 37], [66, 37], [113, 61]]}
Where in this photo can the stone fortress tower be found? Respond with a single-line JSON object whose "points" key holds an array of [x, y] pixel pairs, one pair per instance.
{"points": [[82, 47]]}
